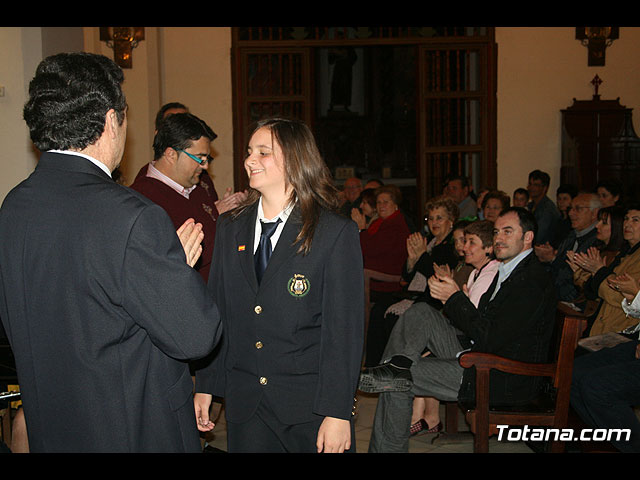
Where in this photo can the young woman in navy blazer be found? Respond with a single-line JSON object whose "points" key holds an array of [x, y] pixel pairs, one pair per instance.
{"points": [[291, 352]]}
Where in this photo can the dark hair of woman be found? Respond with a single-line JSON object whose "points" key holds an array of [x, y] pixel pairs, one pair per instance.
{"points": [[614, 216], [483, 229], [305, 171]]}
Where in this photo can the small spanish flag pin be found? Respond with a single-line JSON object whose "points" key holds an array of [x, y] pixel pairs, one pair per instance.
{"points": [[241, 248]]}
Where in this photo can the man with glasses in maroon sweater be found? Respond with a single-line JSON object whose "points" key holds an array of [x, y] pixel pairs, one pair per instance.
{"points": [[175, 179]]}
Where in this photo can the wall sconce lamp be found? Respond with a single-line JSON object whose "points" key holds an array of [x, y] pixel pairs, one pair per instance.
{"points": [[122, 40], [596, 39]]}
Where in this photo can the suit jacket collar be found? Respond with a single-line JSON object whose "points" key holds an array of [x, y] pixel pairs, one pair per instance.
{"points": [[70, 163], [284, 250], [484, 300]]}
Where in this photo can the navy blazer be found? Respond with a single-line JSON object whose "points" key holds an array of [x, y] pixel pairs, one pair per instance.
{"points": [[517, 324], [102, 313], [296, 339]]}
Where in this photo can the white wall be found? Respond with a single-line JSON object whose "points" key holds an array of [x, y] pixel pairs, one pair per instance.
{"points": [[540, 72], [20, 53]]}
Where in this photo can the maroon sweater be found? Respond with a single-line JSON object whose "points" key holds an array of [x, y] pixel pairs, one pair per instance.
{"points": [[200, 206], [384, 248]]}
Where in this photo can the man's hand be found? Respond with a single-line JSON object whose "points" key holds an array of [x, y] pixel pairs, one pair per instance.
{"points": [[202, 404], [230, 200], [191, 236], [442, 288], [334, 435], [545, 253]]}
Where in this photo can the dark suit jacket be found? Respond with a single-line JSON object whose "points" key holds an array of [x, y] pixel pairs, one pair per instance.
{"points": [[309, 356], [102, 312], [517, 324]]}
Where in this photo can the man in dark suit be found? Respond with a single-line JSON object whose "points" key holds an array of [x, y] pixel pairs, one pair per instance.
{"points": [[514, 319], [100, 306]]}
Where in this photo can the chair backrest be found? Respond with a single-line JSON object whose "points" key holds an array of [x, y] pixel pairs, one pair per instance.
{"points": [[572, 325]]}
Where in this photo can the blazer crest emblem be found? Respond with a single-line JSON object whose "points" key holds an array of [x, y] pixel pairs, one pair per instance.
{"points": [[298, 285]]}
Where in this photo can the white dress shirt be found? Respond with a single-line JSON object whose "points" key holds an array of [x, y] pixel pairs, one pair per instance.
{"points": [[283, 215]]}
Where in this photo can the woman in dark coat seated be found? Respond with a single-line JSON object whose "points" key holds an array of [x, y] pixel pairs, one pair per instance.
{"points": [[422, 252]]}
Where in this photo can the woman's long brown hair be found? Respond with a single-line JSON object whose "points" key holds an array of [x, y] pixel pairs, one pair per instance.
{"points": [[305, 171]]}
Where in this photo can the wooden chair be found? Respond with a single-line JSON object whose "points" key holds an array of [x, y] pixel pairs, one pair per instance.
{"points": [[483, 420], [381, 277]]}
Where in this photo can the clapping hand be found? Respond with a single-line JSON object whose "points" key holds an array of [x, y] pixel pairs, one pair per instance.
{"points": [[545, 252], [625, 284], [591, 261], [441, 288], [230, 200], [416, 246], [359, 217], [191, 236]]}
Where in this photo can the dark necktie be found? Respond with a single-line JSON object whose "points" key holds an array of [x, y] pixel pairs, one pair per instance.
{"points": [[263, 253]]}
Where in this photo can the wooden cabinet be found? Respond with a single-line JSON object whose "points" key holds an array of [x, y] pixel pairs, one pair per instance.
{"points": [[599, 143]]}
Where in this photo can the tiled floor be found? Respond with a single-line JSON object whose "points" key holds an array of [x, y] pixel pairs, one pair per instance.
{"points": [[366, 407]]}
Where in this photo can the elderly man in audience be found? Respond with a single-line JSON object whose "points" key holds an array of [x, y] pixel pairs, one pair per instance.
{"points": [[584, 217], [606, 383], [514, 319], [350, 195]]}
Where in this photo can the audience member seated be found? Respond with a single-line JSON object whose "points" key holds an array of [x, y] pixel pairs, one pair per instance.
{"points": [[384, 241], [520, 197], [565, 193], [438, 249], [457, 188], [409, 338], [384, 314], [480, 197], [543, 208], [584, 217], [514, 319], [609, 241], [350, 195], [606, 383], [610, 317], [366, 212], [610, 192], [493, 203]]}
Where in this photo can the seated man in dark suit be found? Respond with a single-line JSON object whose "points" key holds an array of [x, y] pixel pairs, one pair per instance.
{"points": [[514, 319]]}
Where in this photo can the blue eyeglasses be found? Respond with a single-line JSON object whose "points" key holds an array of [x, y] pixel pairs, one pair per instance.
{"points": [[208, 158]]}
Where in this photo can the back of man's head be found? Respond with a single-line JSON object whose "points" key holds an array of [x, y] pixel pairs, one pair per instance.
{"points": [[164, 111], [179, 131], [69, 98]]}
